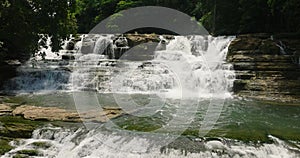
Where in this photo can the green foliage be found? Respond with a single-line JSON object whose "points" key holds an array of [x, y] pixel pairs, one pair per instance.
{"points": [[23, 21], [220, 17], [123, 5]]}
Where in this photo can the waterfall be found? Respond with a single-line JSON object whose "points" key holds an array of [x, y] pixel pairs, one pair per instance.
{"points": [[104, 45], [89, 63], [38, 80], [193, 66], [186, 65]]}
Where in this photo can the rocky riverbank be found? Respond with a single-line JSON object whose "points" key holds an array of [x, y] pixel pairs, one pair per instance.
{"points": [[267, 67]]}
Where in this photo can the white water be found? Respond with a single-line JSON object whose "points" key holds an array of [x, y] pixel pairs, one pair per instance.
{"points": [[198, 63], [80, 144], [189, 67]]}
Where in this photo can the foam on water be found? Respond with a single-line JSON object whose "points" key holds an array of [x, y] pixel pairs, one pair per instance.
{"points": [[80, 143]]}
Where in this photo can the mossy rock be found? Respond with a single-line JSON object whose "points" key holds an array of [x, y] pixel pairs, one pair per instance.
{"points": [[20, 156], [17, 127], [4, 146], [28, 152], [43, 145]]}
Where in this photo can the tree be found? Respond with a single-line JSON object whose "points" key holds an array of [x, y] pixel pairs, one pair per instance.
{"points": [[23, 22], [254, 16]]}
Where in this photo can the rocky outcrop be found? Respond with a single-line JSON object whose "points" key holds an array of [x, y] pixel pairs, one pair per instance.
{"points": [[58, 114], [266, 67], [45, 113], [5, 110]]}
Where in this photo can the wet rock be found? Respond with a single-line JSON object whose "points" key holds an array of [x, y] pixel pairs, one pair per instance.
{"points": [[142, 52], [70, 45], [28, 152], [20, 156], [68, 57], [121, 42]]}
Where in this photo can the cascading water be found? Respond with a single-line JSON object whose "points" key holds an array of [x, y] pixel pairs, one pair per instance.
{"points": [[91, 63], [61, 143], [193, 64]]}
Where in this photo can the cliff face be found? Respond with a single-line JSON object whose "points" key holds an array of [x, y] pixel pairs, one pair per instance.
{"points": [[266, 67]]}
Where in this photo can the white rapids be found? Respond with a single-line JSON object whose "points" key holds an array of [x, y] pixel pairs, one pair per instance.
{"points": [[64, 143]]}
